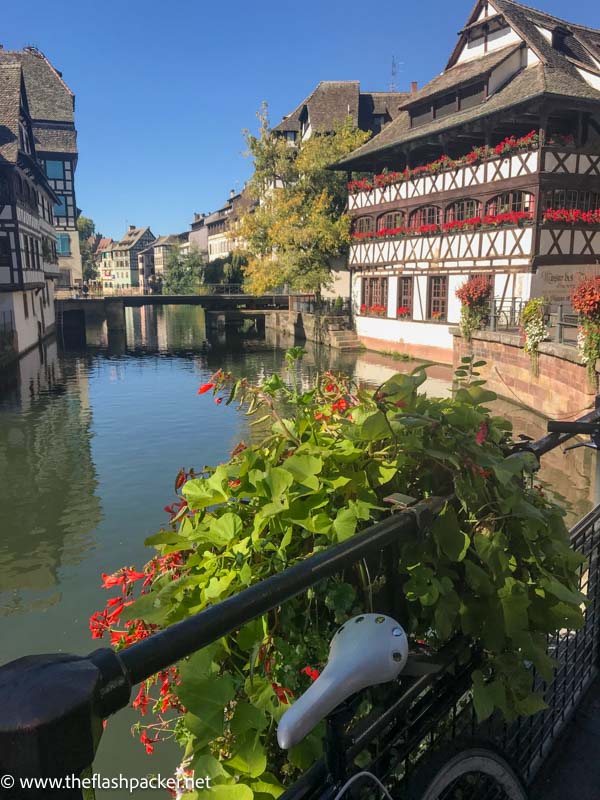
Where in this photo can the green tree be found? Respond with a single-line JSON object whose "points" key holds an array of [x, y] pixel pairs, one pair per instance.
{"points": [[86, 229], [184, 273], [299, 223]]}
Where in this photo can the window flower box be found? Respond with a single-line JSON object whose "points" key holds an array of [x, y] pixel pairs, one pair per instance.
{"points": [[508, 146]]}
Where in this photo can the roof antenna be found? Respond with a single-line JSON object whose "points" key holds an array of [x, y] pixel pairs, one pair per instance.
{"points": [[393, 86]]}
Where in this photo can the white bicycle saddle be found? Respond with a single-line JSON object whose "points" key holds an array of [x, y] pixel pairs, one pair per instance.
{"points": [[366, 650]]}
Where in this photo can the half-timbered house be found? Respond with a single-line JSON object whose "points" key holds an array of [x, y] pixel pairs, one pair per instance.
{"points": [[492, 168], [52, 109], [28, 257]]}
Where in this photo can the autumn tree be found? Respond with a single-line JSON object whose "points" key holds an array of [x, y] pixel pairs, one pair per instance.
{"points": [[298, 223], [86, 229], [183, 273]]}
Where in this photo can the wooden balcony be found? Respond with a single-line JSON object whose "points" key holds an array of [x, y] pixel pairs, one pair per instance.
{"points": [[500, 247], [517, 170]]}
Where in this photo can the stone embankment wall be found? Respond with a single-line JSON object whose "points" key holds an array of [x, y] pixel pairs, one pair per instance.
{"points": [[561, 389]]}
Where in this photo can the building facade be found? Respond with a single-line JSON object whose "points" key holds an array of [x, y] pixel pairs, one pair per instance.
{"points": [[52, 109], [119, 263], [221, 224], [491, 169], [153, 261], [327, 106], [28, 256]]}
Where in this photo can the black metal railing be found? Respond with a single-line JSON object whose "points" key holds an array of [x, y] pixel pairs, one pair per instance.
{"points": [[325, 306], [53, 706], [505, 314]]}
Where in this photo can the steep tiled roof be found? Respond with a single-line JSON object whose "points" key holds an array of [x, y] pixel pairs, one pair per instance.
{"points": [[330, 103], [103, 244], [55, 140], [131, 238], [555, 75], [461, 74], [10, 108], [49, 96]]}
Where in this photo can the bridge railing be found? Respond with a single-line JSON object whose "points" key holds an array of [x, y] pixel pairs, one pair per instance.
{"points": [[53, 706]]}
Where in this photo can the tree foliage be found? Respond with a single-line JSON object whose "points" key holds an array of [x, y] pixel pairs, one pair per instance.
{"points": [[494, 571], [299, 223], [86, 229], [183, 273]]}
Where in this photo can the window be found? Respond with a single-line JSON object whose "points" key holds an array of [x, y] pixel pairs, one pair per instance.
{"points": [[55, 170], [472, 96], [26, 252], [405, 298], [60, 208], [38, 262], [63, 244], [420, 115], [379, 121], [426, 215], [363, 225], [511, 201], [572, 198], [437, 297], [25, 306], [391, 220], [291, 136], [4, 252], [462, 209], [445, 105], [374, 293]]}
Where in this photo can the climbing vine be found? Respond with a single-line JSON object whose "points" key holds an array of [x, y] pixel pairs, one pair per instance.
{"points": [[495, 567], [474, 296], [534, 329], [585, 299]]}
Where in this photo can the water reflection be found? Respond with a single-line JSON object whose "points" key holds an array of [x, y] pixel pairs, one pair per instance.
{"points": [[48, 504], [90, 442]]}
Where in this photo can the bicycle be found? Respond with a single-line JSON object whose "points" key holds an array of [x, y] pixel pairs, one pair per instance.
{"points": [[366, 651]]}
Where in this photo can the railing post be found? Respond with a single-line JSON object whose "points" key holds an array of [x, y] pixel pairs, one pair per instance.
{"points": [[559, 324], [493, 320]]}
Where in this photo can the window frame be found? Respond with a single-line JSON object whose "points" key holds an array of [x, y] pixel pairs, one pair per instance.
{"points": [[450, 213], [525, 199], [437, 302], [405, 295], [56, 177], [380, 219], [374, 290], [358, 224], [417, 217]]}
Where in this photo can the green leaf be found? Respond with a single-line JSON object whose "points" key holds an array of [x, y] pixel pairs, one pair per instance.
{"points": [[237, 791], [483, 697], [248, 759], [206, 698], [447, 533], [344, 524], [226, 527], [247, 717], [304, 469], [208, 766], [477, 578]]}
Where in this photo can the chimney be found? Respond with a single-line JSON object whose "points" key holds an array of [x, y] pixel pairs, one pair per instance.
{"points": [[131, 228], [413, 87], [232, 194], [196, 216]]}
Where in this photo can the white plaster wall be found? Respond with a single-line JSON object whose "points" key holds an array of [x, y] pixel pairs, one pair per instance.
{"points": [[27, 329], [504, 71], [454, 281], [392, 297], [589, 77], [397, 331], [356, 292], [496, 40]]}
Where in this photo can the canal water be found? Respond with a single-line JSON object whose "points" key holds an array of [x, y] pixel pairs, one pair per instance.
{"points": [[90, 443]]}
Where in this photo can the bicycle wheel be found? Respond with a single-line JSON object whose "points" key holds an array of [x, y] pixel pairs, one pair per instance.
{"points": [[467, 771]]}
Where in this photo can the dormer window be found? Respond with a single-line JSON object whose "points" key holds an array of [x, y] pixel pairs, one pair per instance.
{"points": [[291, 136], [379, 120]]}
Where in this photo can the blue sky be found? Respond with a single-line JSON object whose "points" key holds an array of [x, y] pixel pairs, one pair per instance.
{"points": [[164, 89]]}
